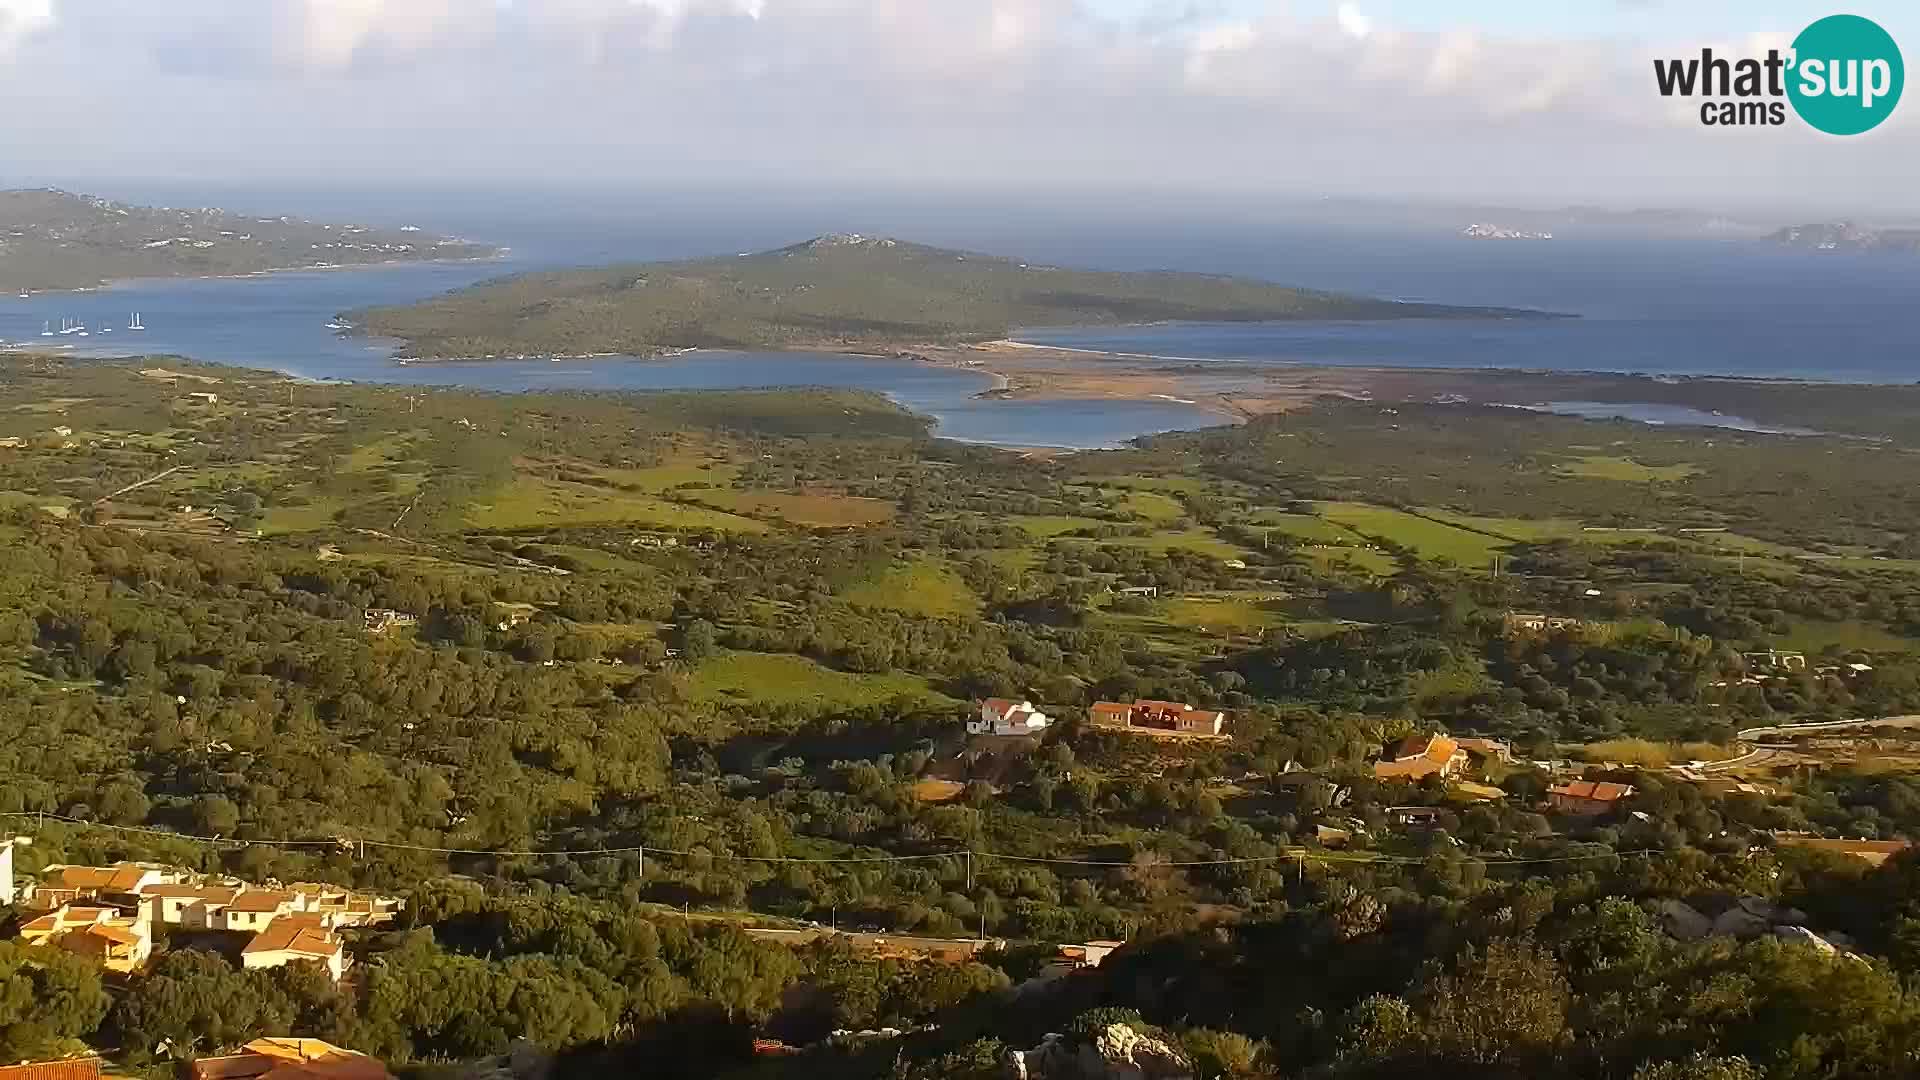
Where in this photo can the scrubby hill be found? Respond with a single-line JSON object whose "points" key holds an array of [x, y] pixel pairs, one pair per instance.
{"points": [[844, 291]]}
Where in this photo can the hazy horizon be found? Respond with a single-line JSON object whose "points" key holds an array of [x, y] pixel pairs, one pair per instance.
{"points": [[1243, 104]]}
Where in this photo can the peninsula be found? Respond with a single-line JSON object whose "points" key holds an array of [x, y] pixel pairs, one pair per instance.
{"points": [[841, 292], [52, 239]]}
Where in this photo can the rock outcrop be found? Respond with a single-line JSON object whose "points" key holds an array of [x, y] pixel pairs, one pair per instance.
{"points": [[1116, 1052]]}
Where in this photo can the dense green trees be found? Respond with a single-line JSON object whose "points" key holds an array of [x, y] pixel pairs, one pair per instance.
{"points": [[48, 1001]]}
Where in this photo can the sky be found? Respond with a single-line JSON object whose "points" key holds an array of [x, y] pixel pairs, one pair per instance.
{"points": [[1503, 102]]}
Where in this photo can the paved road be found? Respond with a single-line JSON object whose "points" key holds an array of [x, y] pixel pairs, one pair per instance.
{"points": [[1829, 725]]}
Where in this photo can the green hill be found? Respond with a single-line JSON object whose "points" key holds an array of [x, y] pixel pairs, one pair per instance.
{"points": [[58, 240], [838, 292]]}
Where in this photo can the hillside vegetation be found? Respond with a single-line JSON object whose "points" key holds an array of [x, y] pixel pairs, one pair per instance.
{"points": [[842, 292], [58, 240]]}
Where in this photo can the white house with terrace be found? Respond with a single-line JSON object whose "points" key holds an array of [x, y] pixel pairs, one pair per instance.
{"points": [[999, 716]]}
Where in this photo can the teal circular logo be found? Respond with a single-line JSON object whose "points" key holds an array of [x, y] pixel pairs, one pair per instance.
{"points": [[1847, 75]]}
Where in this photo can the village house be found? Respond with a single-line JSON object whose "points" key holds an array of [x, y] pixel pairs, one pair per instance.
{"points": [[1491, 749], [1536, 623], [255, 909], [1161, 719], [1414, 817], [112, 914], [118, 942], [999, 716], [192, 907], [1774, 660], [381, 620], [202, 397], [1417, 757], [73, 1068], [289, 1059], [60, 885], [1587, 798], [297, 938], [1874, 852], [8, 893]]}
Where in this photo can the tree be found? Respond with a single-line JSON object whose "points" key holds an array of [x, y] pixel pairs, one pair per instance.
{"points": [[1701, 1067], [698, 641], [194, 1002], [48, 999]]}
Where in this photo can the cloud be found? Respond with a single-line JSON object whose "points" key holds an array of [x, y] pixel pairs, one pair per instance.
{"points": [[1352, 22], [1197, 92], [20, 19]]}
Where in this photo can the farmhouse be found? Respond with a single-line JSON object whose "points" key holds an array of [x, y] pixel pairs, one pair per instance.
{"points": [[1161, 719], [381, 620], [1587, 798], [1000, 716], [1419, 756], [1534, 623]]}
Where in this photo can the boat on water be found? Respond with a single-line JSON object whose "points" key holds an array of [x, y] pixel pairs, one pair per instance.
{"points": [[338, 325], [46, 329], [134, 323]]}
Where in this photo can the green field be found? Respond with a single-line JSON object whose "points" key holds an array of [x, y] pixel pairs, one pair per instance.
{"points": [[922, 586], [532, 502], [1187, 540], [1153, 506], [1816, 635], [316, 513], [1305, 527], [1219, 613], [1427, 539], [1047, 526], [778, 679], [1352, 559], [384, 451], [1528, 530], [821, 509], [674, 472], [1602, 467]]}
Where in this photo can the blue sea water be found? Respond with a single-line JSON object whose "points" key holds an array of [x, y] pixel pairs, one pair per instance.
{"points": [[1645, 304], [279, 322]]}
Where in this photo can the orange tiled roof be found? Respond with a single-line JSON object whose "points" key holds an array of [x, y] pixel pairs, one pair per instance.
{"points": [[1597, 790], [294, 936], [260, 900]]}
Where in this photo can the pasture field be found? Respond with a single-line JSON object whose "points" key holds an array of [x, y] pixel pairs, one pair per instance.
{"points": [[781, 679], [919, 586]]}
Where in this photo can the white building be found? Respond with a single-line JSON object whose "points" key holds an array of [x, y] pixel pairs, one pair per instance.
{"points": [[6, 874], [999, 716]]}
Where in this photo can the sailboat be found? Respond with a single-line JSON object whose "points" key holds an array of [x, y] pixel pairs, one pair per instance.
{"points": [[134, 323], [46, 329]]}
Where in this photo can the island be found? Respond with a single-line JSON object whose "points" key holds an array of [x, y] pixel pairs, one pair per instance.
{"points": [[1846, 236], [51, 239], [1484, 231], [846, 292]]}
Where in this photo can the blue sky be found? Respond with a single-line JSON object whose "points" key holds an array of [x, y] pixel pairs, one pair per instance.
{"points": [[1504, 101]]}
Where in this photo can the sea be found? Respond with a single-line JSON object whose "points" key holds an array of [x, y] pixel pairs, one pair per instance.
{"points": [[1657, 305]]}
